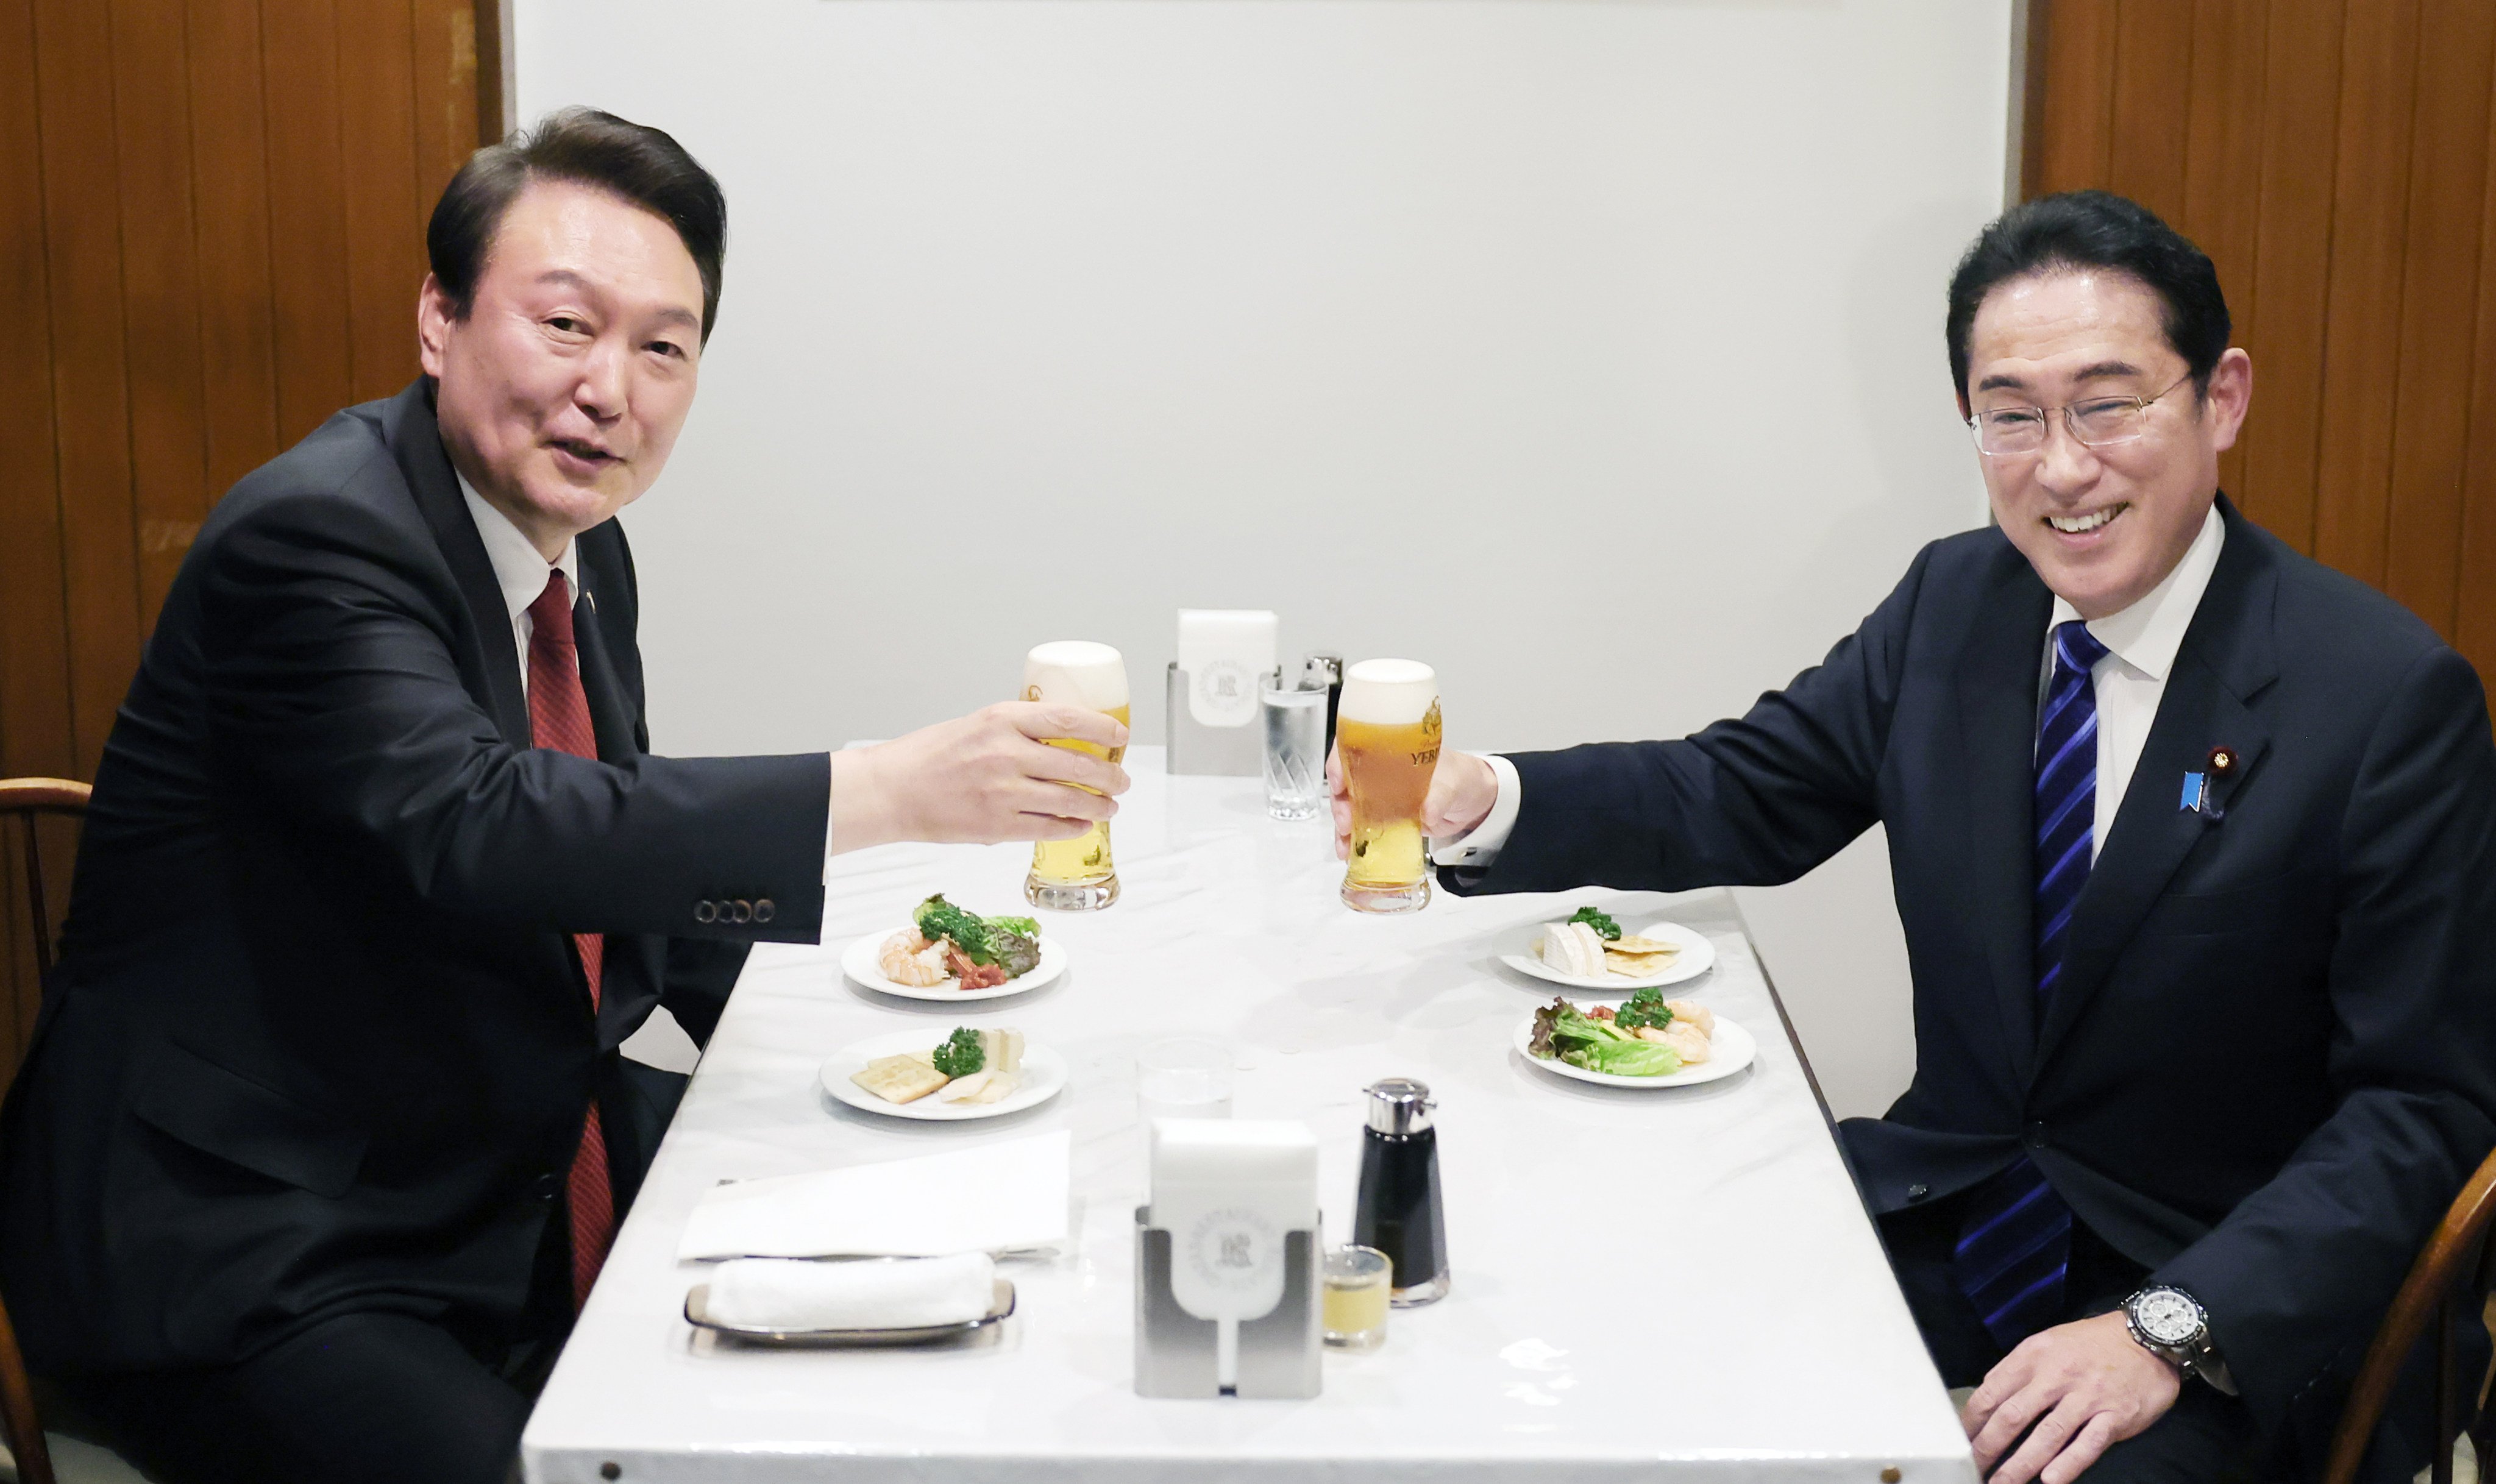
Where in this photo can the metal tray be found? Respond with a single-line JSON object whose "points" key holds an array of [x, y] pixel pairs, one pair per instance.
{"points": [[697, 1313]]}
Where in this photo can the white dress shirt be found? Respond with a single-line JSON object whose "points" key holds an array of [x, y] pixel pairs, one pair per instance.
{"points": [[2141, 642], [518, 570]]}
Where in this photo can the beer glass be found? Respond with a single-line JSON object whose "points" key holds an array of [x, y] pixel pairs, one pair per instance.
{"points": [[1077, 874], [1386, 735]]}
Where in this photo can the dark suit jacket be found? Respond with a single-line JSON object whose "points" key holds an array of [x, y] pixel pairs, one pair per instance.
{"points": [[2271, 1060], [318, 1040]]}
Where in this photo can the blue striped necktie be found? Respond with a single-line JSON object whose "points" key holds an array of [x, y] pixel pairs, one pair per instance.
{"points": [[2017, 1243]]}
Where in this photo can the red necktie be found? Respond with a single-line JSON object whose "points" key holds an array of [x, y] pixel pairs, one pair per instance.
{"points": [[560, 719]]}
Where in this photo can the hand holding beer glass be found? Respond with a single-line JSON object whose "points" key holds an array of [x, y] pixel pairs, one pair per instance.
{"points": [[1386, 745], [1077, 874]]}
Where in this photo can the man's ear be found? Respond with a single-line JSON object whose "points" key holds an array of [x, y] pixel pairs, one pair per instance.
{"points": [[2231, 394], [434, 317]]}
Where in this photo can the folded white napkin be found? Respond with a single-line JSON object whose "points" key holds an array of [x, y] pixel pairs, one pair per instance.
{"points": [[778, 1293], [1223, 652], [991, 1198]]}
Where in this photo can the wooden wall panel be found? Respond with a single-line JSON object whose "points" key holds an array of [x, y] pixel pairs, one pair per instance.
{"points": [[2223, 96], [2440, 276], [218, 208], [2152, 102], [2361, 364], [2075, 69], [91, 416], [2292, 263], [34, 621], [230, 172], [377, 144], [2474, 601], [307, 213], [2337, 160], [160, 284]]}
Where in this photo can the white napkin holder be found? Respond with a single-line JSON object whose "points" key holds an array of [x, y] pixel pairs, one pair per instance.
{"points": [[1227, 1254], [1224, 656]]}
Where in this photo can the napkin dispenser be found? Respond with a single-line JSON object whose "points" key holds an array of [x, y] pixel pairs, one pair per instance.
{"points": [[1224, 656], [1226, 1282]]}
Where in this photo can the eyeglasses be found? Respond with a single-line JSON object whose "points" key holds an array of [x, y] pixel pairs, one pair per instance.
{"points": [[2099, 422]]}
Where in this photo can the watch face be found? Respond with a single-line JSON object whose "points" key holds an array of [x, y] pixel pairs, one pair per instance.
{"points": [[2166, 1317]]}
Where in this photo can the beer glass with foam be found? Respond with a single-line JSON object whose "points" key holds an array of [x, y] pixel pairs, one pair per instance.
{"points": [[1386, 734], [1077, 874]]}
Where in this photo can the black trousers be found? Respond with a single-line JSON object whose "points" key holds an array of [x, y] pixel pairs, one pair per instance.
{"points": [[2205, 1439], [371, 1397]]}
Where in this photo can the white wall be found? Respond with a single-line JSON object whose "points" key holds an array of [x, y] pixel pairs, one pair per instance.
{"points": [[1589, 348]]}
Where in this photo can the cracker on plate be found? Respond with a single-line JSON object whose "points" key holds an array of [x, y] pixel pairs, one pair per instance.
{"points": [[900, 1078]]}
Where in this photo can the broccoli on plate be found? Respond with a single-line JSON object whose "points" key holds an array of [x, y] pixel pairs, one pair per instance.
{"points": [[961, 1054]]}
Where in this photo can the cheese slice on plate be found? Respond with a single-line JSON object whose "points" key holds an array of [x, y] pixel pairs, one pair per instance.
{"points": [[899, 1078]]}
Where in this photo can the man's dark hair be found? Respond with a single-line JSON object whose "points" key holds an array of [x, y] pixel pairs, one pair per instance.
{"points": [[639, 164], [2081, 230]]}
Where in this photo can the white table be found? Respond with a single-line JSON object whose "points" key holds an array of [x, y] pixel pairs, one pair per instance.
{"points": [[1674, 1283]]}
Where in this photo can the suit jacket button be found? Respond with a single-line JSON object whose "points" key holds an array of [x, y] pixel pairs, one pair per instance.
{"points": [[705, 912], [1918, 1191], [762, 909], [744, 912], [546, 1188], [2033, 1135]]}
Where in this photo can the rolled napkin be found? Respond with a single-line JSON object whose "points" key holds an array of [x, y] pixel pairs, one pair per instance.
{"points": [[899, 1293]]}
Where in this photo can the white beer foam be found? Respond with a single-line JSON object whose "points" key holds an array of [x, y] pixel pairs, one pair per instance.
{"points": [[1076, 672], [1388, 693]]}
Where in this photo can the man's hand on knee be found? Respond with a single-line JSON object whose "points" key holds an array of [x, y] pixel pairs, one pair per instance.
{"points": [[2085, 1386]]}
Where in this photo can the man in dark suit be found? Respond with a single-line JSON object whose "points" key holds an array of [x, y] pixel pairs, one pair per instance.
{"points": [[323, 1132], [2195, 846]]}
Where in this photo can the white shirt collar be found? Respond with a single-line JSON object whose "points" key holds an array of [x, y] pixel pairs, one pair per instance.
{"points": [[518, 570], [2147, 635]]}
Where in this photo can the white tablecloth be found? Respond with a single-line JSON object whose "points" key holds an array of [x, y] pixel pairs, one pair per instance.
{"points": [[1646, 1283]]}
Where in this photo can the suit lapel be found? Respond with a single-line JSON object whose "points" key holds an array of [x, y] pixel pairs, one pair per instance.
{"points": [[609, 714], [1997, 700], [416, 442], [2225, 658]]}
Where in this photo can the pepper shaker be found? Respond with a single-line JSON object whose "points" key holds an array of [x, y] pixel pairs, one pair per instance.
{"points": [[1400, 1212], [1321, 670]]}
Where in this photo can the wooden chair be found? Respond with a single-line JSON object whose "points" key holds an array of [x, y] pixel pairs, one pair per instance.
{"points": [[24, 799], [2448, 1284]]}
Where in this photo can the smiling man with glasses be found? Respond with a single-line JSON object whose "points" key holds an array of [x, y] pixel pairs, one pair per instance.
{"points": [[2195, 848]]}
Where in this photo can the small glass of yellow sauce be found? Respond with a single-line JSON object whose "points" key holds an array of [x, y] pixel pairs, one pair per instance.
{"points": [[1358, 1282]]}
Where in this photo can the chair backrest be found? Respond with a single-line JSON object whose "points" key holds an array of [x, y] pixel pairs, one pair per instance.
{"points": [[25, 799], [2457, 1247]]}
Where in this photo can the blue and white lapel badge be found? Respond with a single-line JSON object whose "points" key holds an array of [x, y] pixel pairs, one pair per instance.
{"points": [[2201, 789]]}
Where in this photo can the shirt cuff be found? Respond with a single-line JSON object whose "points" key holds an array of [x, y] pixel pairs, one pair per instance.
{"points": [[1478, 847]]}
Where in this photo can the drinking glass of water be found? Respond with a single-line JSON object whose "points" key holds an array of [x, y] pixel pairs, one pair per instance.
{"points": [[1295, 724], [1185, 1076]]}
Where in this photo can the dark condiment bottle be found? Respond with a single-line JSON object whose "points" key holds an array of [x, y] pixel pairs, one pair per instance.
{"points": [[1400, 1212], [1323, 670]]}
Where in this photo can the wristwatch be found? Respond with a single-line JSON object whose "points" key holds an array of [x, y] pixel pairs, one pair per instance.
{"points": [[2173, 1325]]}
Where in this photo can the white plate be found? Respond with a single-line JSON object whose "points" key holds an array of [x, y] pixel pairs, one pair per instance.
{"points": [[1043, 1076], [1697, 956], [857, 961], [1730, 1049]]}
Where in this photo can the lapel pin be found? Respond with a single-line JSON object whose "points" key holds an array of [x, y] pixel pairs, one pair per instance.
{"points": [[2200, 796], [2223, 760]]}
